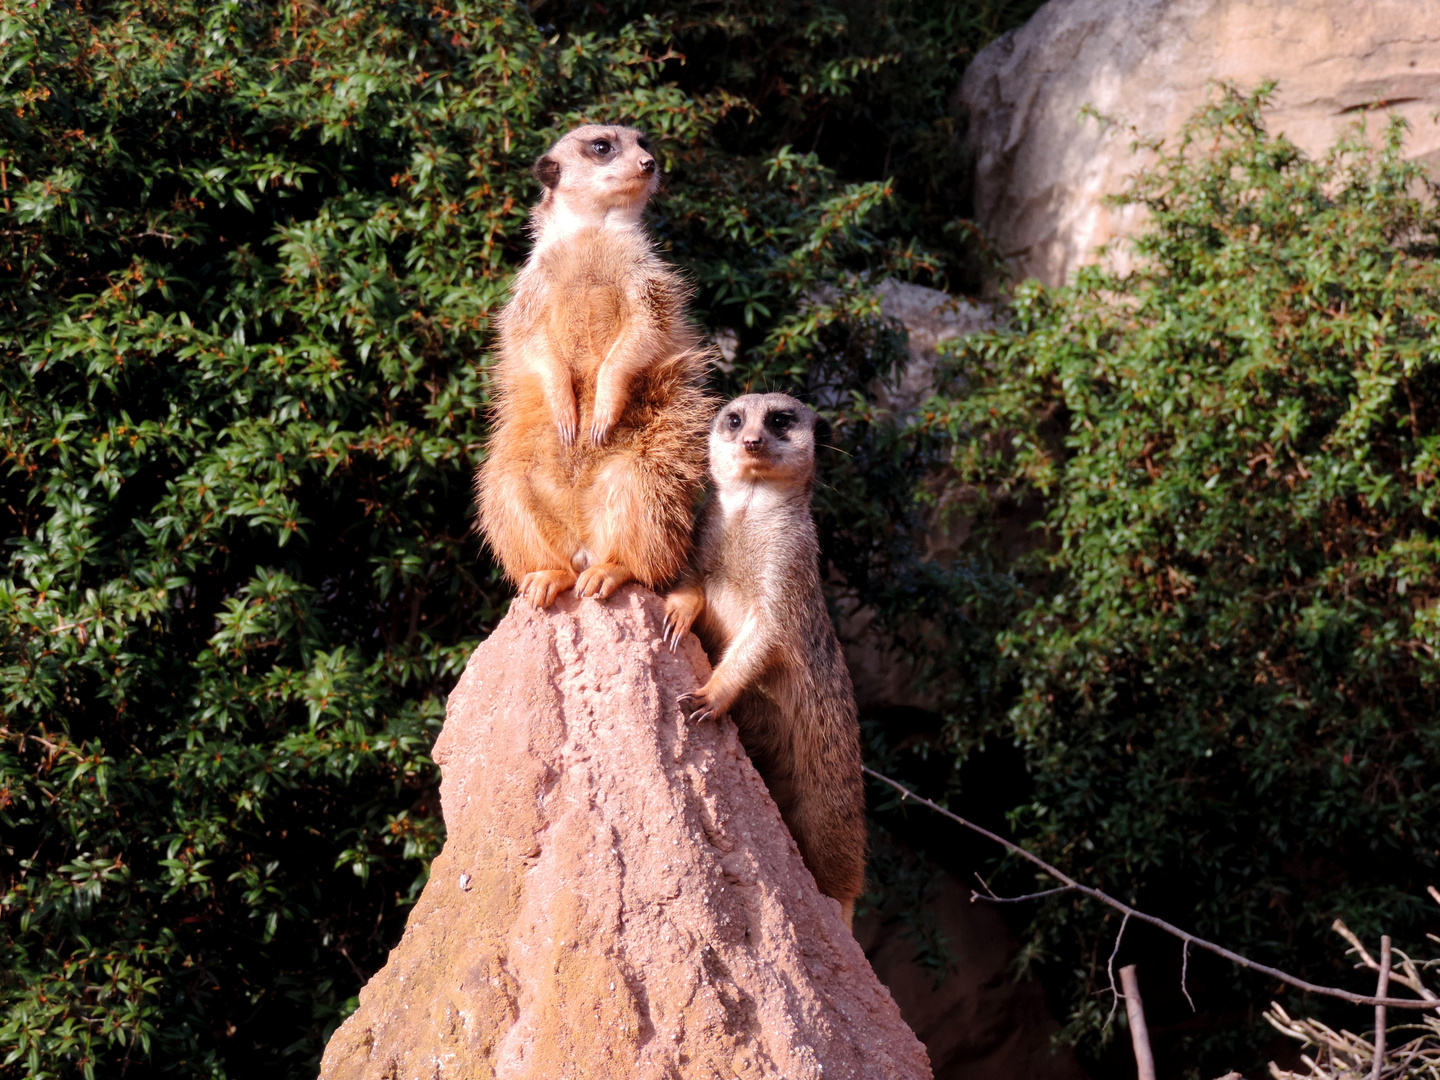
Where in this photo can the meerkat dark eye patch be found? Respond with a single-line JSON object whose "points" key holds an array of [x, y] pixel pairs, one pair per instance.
{"points": [[733, 421], [547, 171], [643, 143], [602, 148], [780, 422]]}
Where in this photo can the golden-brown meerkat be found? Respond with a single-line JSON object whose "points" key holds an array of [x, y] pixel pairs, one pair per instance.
{"points": [[595, 339], [752, 593]]}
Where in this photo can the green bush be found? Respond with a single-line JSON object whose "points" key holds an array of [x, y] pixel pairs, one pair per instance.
{"points": [[1226, 687], [249, 254]]}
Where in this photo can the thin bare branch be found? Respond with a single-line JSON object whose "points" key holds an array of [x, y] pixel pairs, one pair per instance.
{"points": [[1355, 945], [1380, 989], [1161, 924], [1408, 976], [993, 899], [1110, 969], [1184, 970], [1139, 1030]]}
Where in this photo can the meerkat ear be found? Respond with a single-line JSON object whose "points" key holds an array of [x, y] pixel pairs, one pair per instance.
{"points": [[547, 171]]}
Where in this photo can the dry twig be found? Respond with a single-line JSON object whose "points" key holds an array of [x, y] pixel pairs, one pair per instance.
{"points": [[1341, 1055], [1071, 885]]}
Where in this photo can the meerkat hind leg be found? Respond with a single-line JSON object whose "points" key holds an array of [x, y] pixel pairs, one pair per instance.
{"points": [[525, 536], [620, 527]]}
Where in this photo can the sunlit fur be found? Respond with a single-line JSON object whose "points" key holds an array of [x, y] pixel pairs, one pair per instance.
{"points": [[752, 593], [597, 439]]}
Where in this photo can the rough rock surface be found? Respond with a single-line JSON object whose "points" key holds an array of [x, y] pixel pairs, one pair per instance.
{"points": [[617, 895], [930, 318], [1042, 171]]}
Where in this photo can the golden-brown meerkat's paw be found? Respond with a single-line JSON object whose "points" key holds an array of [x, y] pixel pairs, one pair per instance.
{"points": [[681, 610], [847, 914], [567, 420], [703, 704], [600, 425], [601, 580], [567, 430], [541, 587]]}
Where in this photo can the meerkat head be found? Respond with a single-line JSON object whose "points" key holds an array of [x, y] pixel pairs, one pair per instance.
{"points": [[764, 438], [596, 175]]}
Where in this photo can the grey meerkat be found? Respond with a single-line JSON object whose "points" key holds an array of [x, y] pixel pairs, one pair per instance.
{"points": [[596, 451], [752, 593]]}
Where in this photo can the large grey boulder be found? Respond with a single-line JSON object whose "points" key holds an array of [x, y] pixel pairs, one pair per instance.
{"points": [[1042, 171]]}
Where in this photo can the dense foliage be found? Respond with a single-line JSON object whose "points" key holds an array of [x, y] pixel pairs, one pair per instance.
{"points": [[249, 254], [1227, 689]]}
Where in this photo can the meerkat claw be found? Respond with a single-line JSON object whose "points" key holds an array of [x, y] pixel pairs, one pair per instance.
{"points": [[696, 710]]}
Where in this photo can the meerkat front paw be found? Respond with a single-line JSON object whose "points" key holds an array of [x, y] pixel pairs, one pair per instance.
{"points": [[541, 587], [601, 422], [567, 418], [601, 580], [682, 607], [567, 430], [703, 704]]}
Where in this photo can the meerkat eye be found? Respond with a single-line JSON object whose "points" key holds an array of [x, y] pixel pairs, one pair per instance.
{"points": [[780, 422], [734, 421], [643, 143], [602, 147]]}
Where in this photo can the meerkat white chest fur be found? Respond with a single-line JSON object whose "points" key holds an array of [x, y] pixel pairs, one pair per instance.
{"points": [[752, 593], [594, 305], [595, 454]]}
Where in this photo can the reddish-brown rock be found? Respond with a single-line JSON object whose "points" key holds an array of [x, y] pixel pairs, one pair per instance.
{"points": [[617, 895]]}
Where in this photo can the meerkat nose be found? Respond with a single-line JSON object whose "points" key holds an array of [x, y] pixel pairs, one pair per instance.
{"points": [[647, 165], [753, 445]]}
